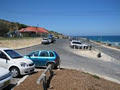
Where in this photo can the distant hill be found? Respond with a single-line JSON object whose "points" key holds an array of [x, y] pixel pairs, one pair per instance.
{"points": [[7, 26], [13, 25], [56, 34]]}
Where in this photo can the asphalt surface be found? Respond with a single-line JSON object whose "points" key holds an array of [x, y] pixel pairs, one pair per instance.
{"points": [[70, 60], [111, 52]]}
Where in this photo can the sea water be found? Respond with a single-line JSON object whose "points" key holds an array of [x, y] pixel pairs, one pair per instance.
{"points": [[114, 40]]}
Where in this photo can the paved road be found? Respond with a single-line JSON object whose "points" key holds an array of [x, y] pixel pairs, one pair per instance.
{"points": [[70, 60], [111, 52]]}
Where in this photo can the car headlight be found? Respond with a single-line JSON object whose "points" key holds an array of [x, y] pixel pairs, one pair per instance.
{"points": [[24, 64]]}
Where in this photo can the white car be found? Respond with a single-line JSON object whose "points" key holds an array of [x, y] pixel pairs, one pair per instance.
{"points": [[45, 41], [50, 39], [77, 43], [14, 62], [5, 78]]}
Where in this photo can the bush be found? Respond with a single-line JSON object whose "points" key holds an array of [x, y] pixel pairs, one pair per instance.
{"points": [[95, 76]]}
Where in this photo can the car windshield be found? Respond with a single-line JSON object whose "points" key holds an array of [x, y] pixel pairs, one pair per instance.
{"points": [[13, 54], [77, 42]]}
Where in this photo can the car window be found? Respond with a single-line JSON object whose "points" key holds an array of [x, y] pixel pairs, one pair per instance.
{"points": [[51, 54], [36, 53], [45, 39], [76, 42], [31, 53], [3, 56], [44, 54]]}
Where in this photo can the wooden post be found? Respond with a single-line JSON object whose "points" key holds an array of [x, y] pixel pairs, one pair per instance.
{"points": [[44, 82]]}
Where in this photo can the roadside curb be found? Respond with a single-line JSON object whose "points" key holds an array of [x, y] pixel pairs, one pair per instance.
{"points": [[27, 47], [21, 80]]}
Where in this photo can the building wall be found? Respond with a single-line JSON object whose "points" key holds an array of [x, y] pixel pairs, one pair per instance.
{"points": [[33, 34]]}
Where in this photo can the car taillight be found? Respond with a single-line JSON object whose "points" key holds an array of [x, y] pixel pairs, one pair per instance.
{"points": [[56, 59]]}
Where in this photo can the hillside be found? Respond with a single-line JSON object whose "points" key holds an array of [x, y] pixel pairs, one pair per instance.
{"points": [[7, 26]]}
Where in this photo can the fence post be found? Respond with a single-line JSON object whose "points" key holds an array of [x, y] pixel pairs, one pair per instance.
{"points": [[44, 82], [43, 77]]}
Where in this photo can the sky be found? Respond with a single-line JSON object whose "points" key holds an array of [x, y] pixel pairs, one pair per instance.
{"points": [[69, 17]]}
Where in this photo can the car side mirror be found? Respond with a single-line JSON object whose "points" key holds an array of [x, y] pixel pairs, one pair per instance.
{"points": [[6, 58], [29, 56]]}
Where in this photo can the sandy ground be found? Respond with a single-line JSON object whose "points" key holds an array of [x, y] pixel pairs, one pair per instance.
{"points": [[93, 54], [20, 43], [68, 79]]}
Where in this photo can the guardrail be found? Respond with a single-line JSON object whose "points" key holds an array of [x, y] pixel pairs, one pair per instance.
{"points": [[43, 77]]}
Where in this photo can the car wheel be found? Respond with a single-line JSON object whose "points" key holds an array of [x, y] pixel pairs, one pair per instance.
{"points": [[74, 46], [14, 72], [52, 64]]}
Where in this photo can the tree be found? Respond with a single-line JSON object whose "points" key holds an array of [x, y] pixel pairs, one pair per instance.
{"points": [[21, 26], [4, 28]]}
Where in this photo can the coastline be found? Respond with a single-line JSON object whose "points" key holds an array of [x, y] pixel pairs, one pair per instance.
{"points": [[104, 45]]}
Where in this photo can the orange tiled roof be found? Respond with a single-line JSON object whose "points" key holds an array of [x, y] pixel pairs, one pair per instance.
{"points": [[33, 29]]}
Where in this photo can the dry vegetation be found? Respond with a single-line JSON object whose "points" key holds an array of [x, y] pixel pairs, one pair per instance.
{"points": [[67, 79], [19, 43]]}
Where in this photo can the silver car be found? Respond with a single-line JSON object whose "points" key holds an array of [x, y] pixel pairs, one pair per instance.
{"points": [[5, 78]]}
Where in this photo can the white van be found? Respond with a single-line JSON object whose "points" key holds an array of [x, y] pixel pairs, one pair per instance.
{"points": [[14, 62], [5, 78]]}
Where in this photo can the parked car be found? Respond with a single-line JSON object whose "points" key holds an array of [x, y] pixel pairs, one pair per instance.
{"points": [[51, 39], [14, 62], [73, 38], [5, 78], [44, 58], [77, 43], [45, 41]]}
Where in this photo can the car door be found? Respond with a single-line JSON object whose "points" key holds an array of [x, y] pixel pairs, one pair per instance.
{"points": [[4, 60], [34, 57], [43, 58], [51, 57]]}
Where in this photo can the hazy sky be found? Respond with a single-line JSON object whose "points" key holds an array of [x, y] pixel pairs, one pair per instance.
{"points": [[70, 17]]}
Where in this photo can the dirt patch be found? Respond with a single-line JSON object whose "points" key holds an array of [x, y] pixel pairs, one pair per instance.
{"points": [[89, 53], [20, 43], [68, 79], [93, 54]]}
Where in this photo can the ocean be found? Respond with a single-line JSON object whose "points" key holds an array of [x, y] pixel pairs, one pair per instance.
{"points": [[114, 40], [103, 38]]}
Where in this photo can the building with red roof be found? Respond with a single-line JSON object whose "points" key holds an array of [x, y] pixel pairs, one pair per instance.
{"points": [[33, 31]]}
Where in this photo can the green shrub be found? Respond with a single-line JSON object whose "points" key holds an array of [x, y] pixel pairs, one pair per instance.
{"points": [[95, 76]]}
